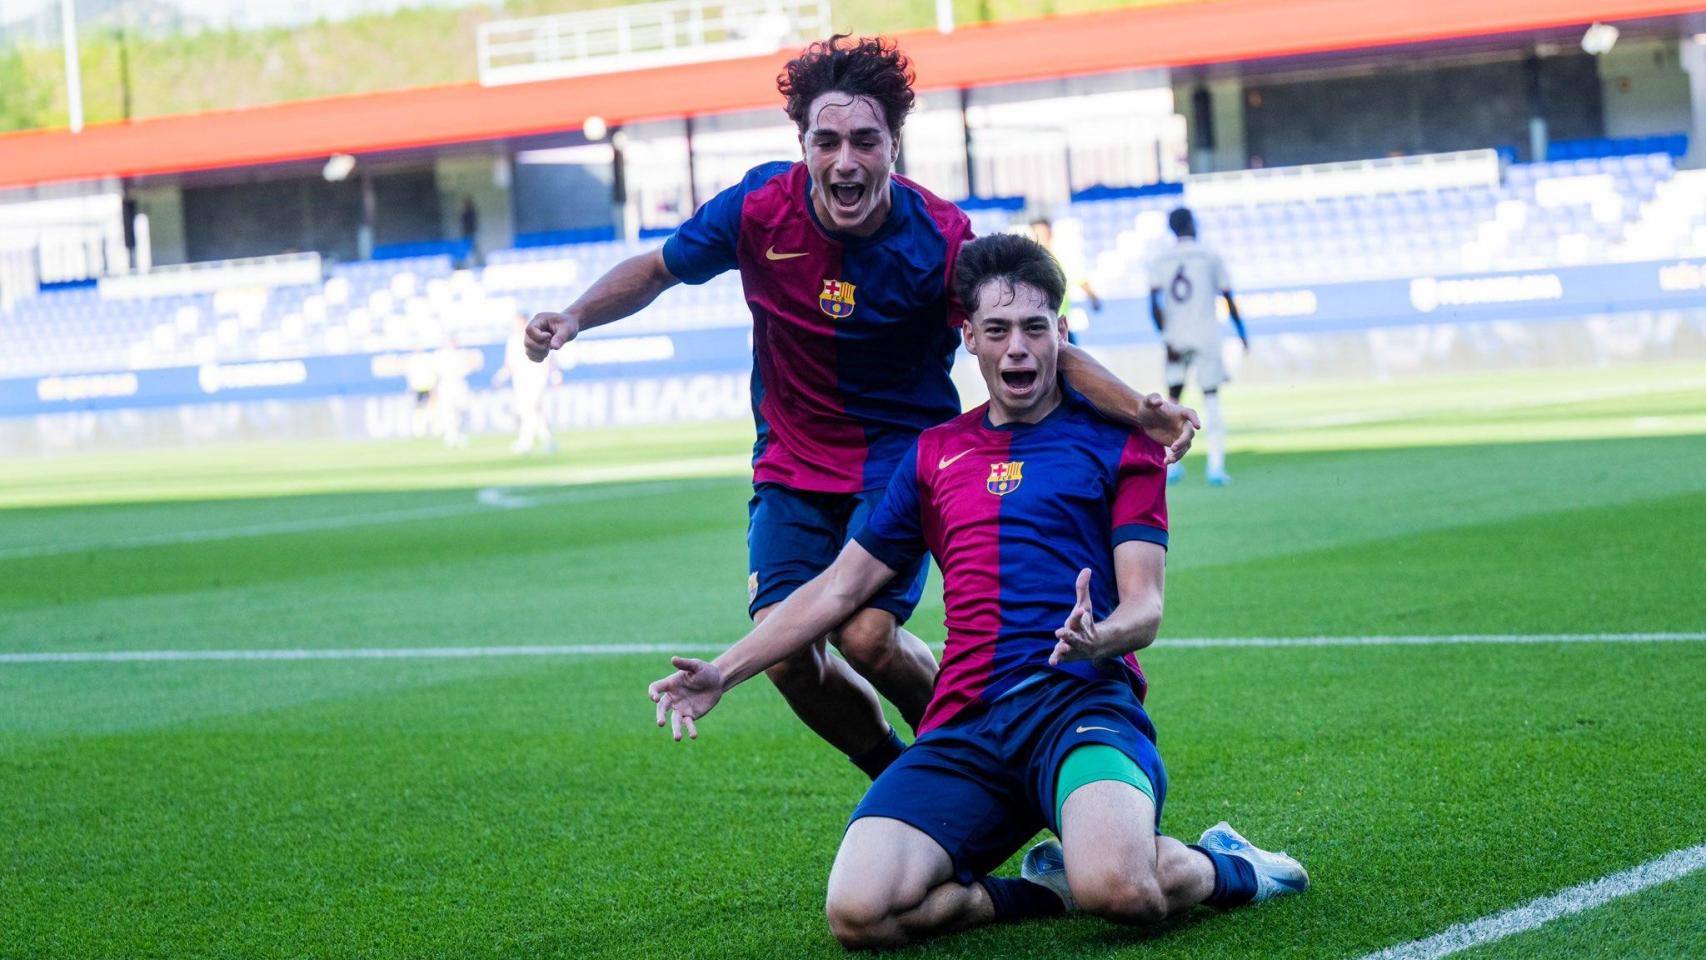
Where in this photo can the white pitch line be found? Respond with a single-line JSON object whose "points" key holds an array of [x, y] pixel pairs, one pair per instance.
{"points": [[1198, 643], [483, 502], [359, 653], [1544, 910], [581, 650]]}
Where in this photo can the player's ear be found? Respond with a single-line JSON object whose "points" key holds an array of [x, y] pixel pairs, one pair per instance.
{"points": [[1060, 328], [966, 334]]}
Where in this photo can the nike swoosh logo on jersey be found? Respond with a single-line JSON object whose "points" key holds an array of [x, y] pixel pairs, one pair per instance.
{"points": [[771, 254], [1088, 729], [943, 463]]}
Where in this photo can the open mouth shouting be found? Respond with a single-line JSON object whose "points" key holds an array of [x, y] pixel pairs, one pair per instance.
{"points": [[846, 197], [1021, 382]]}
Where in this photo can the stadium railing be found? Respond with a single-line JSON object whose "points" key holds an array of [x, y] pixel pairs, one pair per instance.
{"points": [[644, 35]]}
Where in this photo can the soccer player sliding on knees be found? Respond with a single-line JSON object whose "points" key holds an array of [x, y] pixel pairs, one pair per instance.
{"points": [[1037, 719], [845, 266]]}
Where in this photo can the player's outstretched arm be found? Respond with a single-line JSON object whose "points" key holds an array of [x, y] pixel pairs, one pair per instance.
{"points": [[625, 290], [1166, 422], [809, 612], [1140, 568]]}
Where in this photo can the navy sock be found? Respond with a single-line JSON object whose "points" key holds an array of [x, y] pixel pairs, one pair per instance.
{"points": [[1234, 879], [877, 759], [1015, 898]]}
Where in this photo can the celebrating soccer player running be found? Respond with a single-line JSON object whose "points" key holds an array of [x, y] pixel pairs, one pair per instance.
{"points": [[1042, 514], [846, 268]]}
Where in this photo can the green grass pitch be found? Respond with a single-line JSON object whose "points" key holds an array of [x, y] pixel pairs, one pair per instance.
{"points": [[527, 807]]}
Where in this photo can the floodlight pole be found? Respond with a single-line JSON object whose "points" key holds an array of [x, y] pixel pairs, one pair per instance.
{"points": [[945, 16], [73, 68]]}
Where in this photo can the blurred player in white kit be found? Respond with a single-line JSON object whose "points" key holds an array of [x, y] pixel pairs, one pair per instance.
{"points": [[532, 382], [451, 403], [1184, 283]]}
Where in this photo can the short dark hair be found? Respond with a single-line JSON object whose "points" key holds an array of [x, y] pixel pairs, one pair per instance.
{"points": [[1182, 222], [1013, 260], [865, 67]]}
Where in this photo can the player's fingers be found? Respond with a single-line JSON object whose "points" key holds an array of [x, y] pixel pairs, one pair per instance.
{"points": [[663, 708], [1155, 401], [1084, 588], [675, 725], [1061, 650], [692, 731]]}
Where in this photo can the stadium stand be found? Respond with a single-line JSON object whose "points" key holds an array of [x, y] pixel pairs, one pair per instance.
{"points": [[1587, 209]]}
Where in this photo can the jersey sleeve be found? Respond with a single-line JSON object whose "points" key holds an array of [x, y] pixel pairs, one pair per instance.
{"points": [[1222, 279], [706, 244], [894, 532], [957, 315], [1140, 493]]}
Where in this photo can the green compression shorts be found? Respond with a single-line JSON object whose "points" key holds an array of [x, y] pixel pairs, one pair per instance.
{"points": [[1091, 763]]}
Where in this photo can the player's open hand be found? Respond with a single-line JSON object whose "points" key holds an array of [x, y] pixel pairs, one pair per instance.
{"points": [[687, 694], [1077, 640], [1169, 424], [548, 331]]}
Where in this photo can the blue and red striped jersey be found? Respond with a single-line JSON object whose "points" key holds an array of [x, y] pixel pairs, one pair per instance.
{"points": [[1011, 514], [853, 338]]}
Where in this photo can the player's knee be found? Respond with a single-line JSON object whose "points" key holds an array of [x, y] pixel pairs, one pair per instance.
{"points": [[867, 641], [802, 671], [1122, 898], [860, 921]]}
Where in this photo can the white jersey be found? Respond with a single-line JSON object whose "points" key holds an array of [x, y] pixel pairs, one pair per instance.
{"points": [[452, 374], [1191, 278]]}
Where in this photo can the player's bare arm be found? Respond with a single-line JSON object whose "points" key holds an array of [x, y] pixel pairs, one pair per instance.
{"points": [[1140, 568], [1237, 321], [1166, 422], [808, 613], [625, 290]]}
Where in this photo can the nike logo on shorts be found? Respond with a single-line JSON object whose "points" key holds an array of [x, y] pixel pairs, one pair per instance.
{"points": [[1088, 729]]}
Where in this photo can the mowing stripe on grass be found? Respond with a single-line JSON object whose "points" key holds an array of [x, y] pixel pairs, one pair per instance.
{"points": [[1543, 910], [485, 501], [614, 649]]}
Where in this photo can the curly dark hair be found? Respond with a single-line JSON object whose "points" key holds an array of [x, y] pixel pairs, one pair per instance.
{"points": [[865, 67], [1013, 260]]}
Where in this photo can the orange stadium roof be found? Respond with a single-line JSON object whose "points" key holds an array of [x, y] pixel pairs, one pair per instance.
{"points": [[1197, 33]]}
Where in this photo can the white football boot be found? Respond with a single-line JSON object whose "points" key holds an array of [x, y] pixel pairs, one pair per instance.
{"points": [[1276, 873]]}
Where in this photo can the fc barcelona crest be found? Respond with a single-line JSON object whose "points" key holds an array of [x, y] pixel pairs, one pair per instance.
{"points": [[836, 298], [1004, 477]]}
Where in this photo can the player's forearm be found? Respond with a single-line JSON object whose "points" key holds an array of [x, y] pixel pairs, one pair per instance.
{"points": [[1232, 313], [625, 290], [1131, 627], [1106, 392], [807, 614]]}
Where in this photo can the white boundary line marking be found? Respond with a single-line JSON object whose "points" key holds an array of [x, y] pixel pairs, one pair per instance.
{"points": [[615, 649], [485, 500], [1543, 910]]}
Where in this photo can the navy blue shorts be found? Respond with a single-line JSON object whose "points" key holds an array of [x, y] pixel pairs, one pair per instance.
{"points": [[984, 785], [794, 535]]}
